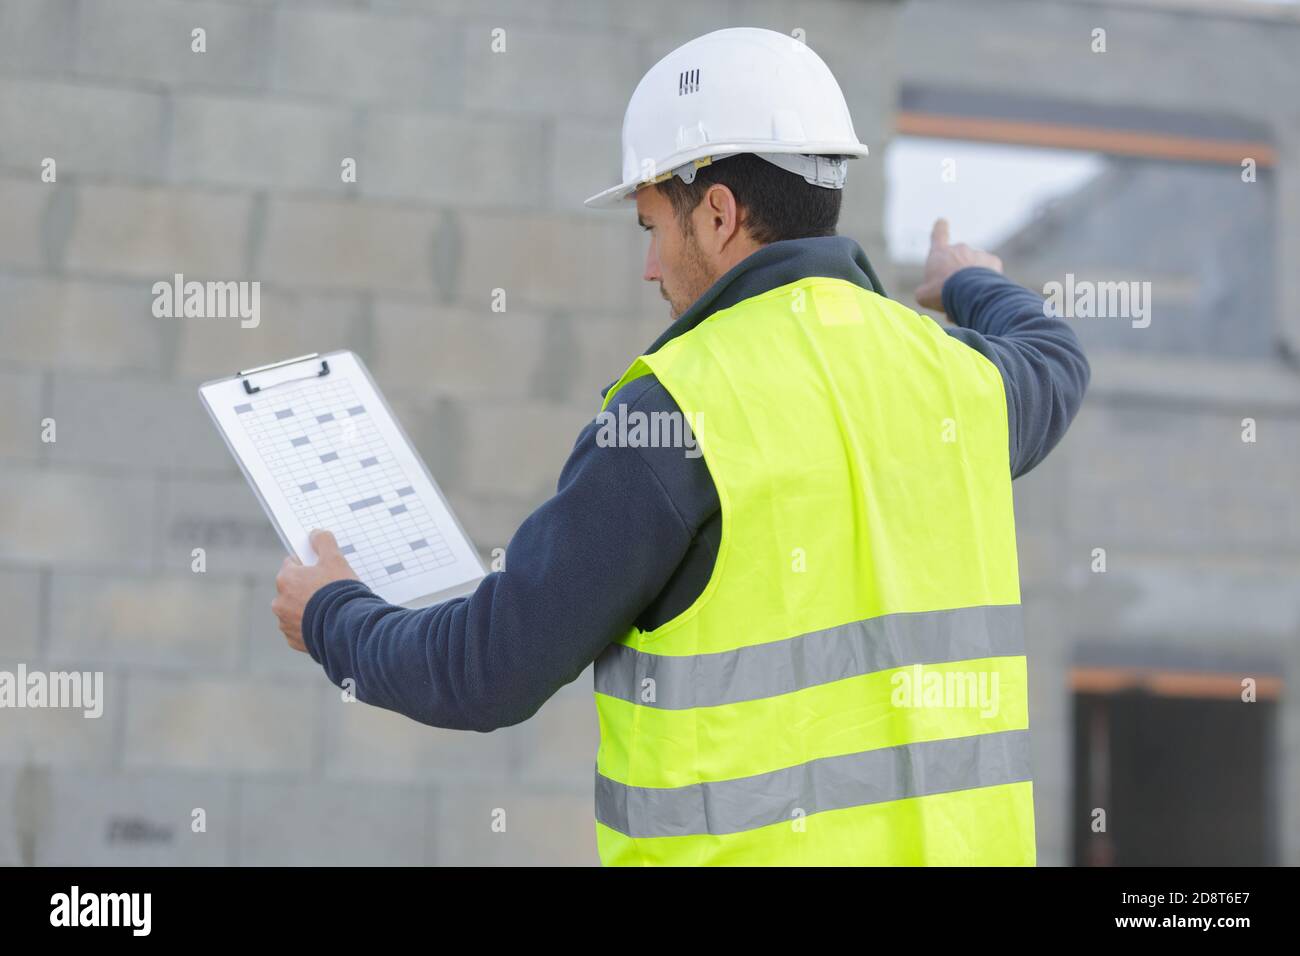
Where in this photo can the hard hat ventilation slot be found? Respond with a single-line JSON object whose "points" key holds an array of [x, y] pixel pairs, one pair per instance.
{"points": [[688, 81]]}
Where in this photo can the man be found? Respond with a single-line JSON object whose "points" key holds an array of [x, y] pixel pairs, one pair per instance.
{"points": [[807, 640]]}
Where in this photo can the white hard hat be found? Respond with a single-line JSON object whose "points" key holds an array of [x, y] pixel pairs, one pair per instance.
{"points": [[740, 90]]}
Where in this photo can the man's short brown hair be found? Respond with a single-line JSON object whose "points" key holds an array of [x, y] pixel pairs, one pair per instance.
{"points": [[776, 204]]}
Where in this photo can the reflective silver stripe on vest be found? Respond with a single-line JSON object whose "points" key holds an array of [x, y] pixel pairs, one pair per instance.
{"points": [[779, 667], [831, 783]]}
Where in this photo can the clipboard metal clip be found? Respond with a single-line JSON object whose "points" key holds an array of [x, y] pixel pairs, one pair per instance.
{"points": [[252, 389]]}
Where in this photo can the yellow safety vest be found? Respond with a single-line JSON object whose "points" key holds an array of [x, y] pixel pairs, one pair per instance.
{"points": [[850, 687]]}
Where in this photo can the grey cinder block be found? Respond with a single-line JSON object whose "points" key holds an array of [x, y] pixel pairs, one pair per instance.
{"points": [[221, 724], [75, 519], [173, 621]]}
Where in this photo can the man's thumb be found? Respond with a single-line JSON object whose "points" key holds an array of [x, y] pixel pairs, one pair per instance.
{"points": [[939, 234], [324, 544]]}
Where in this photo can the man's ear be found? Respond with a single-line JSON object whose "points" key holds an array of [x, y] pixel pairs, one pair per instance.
{"points": [[724, 214]]}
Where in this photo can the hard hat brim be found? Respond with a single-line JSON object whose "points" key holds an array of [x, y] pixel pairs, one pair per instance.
{"points": [[614, 196]]}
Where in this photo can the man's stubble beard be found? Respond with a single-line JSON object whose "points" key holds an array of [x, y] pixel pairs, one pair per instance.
{"points": [[696, 279]]}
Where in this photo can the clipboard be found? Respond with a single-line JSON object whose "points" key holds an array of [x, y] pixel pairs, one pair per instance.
{"points": [[320, 448]]}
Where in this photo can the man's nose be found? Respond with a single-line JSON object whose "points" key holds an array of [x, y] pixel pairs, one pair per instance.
{"points": [[652, 273]]}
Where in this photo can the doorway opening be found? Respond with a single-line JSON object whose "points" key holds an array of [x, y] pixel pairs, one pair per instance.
{"points": [[1173, 768]]}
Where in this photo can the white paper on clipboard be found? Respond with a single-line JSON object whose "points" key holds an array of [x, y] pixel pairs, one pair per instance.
{"points": [[321, 449]]}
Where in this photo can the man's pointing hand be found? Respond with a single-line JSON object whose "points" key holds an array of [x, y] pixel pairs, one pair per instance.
{"points": [[943, 261]]}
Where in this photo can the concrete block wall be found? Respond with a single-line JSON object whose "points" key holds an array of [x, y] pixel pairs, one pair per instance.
{"points": [[225, 165]]}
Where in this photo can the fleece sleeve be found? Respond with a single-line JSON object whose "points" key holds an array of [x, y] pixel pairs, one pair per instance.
{"points": [[1042, 363]]}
